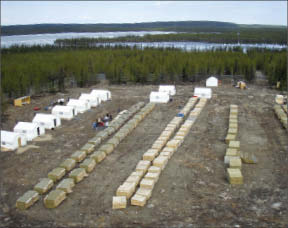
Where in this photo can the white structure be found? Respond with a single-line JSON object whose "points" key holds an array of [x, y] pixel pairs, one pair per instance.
{"points": [[64, 112], [159, 97], [12, 140], [48, 121], [203, 92], [211, 82], [103, 94], [93, 100], [170, 89], [29, 130], [79, 105]]}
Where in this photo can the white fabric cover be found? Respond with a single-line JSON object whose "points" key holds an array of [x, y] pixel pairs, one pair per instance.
{"points": [[80, 105], [159, 97], [211, 82], [170, 89], [203, 92], [29, 130], [48, 121], [10, 140], [64, 112]]}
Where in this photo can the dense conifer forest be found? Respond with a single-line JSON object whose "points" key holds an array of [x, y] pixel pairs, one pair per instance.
{"points": [[47, 68]]}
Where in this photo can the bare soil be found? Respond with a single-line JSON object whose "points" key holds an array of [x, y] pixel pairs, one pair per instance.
{"points": [[192, 190]]}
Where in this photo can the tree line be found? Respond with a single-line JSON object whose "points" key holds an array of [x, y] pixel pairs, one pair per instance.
{"points": [[48, 68], [276, 36]]}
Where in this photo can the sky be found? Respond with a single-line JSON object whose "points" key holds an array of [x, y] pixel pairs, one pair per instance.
{"points": [[240, 12]]}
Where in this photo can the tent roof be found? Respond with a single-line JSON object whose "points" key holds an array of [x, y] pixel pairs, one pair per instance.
{"points": [[212, 77], [61, 108], [42, 116], [100, 91], [26, 125], [76, 102], [161, 94], [86, 96]]}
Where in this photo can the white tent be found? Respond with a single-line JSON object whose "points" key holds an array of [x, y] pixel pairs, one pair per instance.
{"points": [[212, 82], [159, 97], [30, 130], [103, 94], [80, 105], [64, 112], [203, 92], [48, 121], [93, 100], [170, 89], [12, 140]]}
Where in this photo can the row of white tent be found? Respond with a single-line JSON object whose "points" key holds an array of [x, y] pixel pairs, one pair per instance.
{"points": [[27, 131], [163, 94]]}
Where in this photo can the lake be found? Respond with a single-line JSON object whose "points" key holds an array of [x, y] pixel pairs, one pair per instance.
{"points": [[42, 39]]}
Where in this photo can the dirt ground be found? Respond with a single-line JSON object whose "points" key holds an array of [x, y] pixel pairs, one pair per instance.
{"points": [[192, 190]]}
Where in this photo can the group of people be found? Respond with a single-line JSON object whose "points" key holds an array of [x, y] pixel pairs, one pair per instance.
{"points": [[102, 122]]}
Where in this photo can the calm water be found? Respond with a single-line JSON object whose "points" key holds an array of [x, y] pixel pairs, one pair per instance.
{"points": [[42, 39]]}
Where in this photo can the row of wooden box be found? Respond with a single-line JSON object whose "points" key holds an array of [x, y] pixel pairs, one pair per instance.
{"points": [[281, 114], [125, 191], [53, 199], [160, 162], [232, 156]]}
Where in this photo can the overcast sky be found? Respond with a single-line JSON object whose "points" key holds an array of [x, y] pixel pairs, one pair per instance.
{"points": [[241, 12]]}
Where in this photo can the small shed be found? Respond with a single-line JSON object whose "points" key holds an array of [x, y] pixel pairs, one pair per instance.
{"points": [[159, 97], [48, 121], [80, 106], [22, 100], [93, 100], [212, 82], [170, 89], [64, 112], [104, 95], [203, 92], [30, 130], [12, 140]]}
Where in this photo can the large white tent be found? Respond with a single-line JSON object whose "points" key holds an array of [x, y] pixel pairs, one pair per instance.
{"points": [[103, 94], [159, 97], [48, 121], [12, 140], [30, 130], [170, 89], [80, 105], [212, 82], [203, 92], [93, 100], [64, 112]]}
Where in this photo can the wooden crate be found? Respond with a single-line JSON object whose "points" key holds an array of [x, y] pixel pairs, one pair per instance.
{"points": [[68, 164], [27, 200], [119, 202], [147, 183], [66, 185], [44, 185], [54, 198], [78, 174], [88, 164], [56, 174], [79, 155], [138, 200], [98, 156], [234, 176], [126, 189], [107, 148]]}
